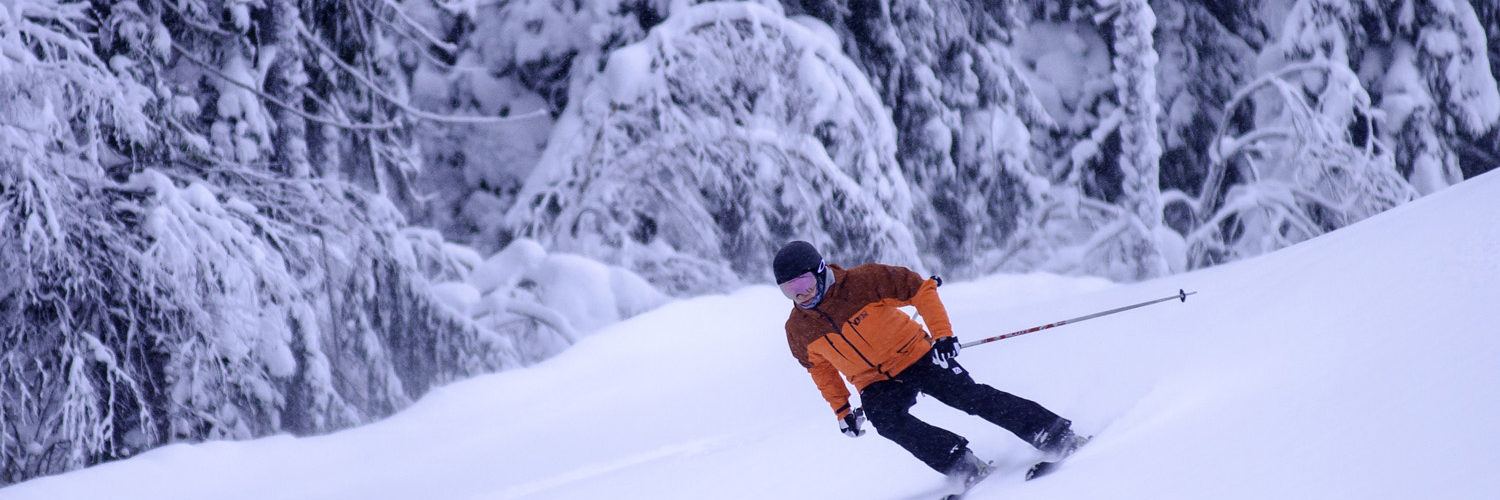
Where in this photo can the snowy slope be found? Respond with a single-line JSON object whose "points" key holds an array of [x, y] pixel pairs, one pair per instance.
{"points": [[1363, 364]]}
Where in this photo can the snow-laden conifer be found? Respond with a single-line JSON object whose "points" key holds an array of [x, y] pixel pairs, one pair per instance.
{"points": [[198, 236], [726, 132], [1309, 162]]}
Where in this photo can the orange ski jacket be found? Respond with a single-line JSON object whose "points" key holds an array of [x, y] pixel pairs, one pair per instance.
{"points": [[858, 330]]}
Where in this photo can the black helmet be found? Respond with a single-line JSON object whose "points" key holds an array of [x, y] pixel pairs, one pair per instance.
{"points": [[798, 258], [794, 259]]}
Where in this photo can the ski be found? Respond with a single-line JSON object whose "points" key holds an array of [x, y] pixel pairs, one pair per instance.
{"points": [[1047, 466], [1040, 469]]}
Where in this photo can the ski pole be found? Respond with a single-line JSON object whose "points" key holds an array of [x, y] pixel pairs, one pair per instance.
{"points": [[1181, 295]]}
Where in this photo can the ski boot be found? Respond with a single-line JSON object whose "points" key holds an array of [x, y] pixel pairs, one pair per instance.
{"points": [[968, 470], [1058, 441]]}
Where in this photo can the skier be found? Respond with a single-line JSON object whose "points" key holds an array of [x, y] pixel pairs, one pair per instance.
{"points": [[848, 321]]}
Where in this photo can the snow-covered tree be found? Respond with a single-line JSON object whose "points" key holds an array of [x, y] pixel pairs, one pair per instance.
{"points": [[201, 234], [1009, 126], [1130, 247], [1448, 100], [1425, 63], [1206, 54], [1307, 163], [515, 59], [964, 119], [1354, 113], [1483, 153], [697, 152], [1298, 174], [1099, 212], [65, 395], [155, 310]]}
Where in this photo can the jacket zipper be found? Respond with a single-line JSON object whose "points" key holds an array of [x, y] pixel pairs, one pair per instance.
{"points": [[840, 331]]}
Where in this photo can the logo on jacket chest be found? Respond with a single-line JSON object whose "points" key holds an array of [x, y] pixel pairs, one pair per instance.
{"points": [[859, 317]]}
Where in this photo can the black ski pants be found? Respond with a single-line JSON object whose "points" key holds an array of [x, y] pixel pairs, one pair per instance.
{"points": [[888, 403]]}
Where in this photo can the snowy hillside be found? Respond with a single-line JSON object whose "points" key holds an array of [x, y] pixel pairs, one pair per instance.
{"points": [[1361, 364]]}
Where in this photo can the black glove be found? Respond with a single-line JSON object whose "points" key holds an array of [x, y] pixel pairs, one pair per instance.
{"points": [[850, 424], [944, 349]]}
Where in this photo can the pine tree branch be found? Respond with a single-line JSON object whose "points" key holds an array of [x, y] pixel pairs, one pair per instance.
{"points": [[412, 23], [200, 25], [447, 47], [279, 103], [425, 115]]}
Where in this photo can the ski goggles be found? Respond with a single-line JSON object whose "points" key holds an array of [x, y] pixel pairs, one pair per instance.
{"points": [[799, 285]]}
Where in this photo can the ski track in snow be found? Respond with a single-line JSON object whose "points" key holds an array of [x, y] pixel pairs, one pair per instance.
{"points": [[684, 450]]}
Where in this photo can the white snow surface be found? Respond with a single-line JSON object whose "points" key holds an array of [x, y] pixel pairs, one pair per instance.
{"points": [[1360, 364]]}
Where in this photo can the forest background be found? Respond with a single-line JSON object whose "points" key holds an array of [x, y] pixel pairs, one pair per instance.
{"points": [[230, 219]]}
